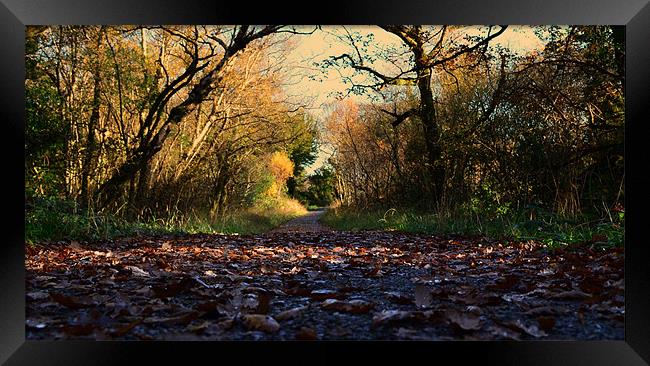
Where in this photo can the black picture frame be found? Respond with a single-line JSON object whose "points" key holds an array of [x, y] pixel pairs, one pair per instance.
{"points": [[16, 14]]}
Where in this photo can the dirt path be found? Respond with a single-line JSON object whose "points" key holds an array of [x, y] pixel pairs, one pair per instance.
{"points": [[304, 224], [311, 284]]}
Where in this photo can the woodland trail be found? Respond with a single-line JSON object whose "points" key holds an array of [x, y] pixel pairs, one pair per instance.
{"points": [[303, 224], [311, 284]]}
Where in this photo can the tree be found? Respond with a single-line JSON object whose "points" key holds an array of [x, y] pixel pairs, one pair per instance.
{"points": [[201, 49], [431, 50]]}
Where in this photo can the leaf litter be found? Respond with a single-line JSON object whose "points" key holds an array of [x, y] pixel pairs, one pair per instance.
{"points": [[327, 285]]}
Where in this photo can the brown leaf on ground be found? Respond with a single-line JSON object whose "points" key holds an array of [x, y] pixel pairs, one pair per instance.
{"points": [[546, 323], [291, 313], [390, 316], [324, 294], [571, 295], [547, 310], [352, 306], [503, 332], [532, 330], [410, 334], [264, 323], [119, 332], [466, 321], [263, 303], [137, 271], [398, 298], [74, 245], [198, 328], [296, 288], [35, 324], [181, 319], [193, 293], [38, 295], [306, 334], [423, 296], [376, 271], [71, 302], [172, 289], [506, 283]]}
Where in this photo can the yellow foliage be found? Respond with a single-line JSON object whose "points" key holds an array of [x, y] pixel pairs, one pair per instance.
{"points": [[281, 167]]}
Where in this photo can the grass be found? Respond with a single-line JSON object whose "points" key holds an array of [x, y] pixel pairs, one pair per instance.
{"points": [[552, 230], [58, 220]]}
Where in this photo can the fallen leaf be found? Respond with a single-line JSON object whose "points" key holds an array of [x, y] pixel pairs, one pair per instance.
{"points": [[571, 295], [264, 323], [505, 283], [324, 294], [399, 298], [30, 323], [546, 323], [119, 332], [375, 272], [306, 334], [172, 289], [352, 306], [547, 310], [529, 329], [411, 334], [504, 332], [263, 303], [198, 328], [71, 302], [291, 313], [466, 321], [179, 319], [38, 295], [136, 271], [296, 288], [389, 316], [422, 296]]}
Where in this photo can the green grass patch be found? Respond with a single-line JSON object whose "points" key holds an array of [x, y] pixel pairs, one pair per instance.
{"points": [[59, 220], [552, 230]]}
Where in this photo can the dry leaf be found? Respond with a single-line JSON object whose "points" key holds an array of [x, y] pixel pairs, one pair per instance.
{"points": [[529, 329], [466, 321], [264, 323], [423, 296], [291, 313], [388, 316], [352, 306], [571, 295], [137, 271], [399, 298], [306, 334], [38, 295], [324, 294], [71, 302]]}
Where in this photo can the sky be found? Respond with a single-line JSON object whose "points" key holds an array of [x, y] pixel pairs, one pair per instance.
{"points": [[323, 43]]}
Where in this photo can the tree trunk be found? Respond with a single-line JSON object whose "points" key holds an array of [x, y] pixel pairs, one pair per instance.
{"points": [[427, 115], [88, 162], [142, 194]]}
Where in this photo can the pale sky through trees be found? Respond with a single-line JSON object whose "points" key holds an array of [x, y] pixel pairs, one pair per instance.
{"points": [[323, 43]]}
